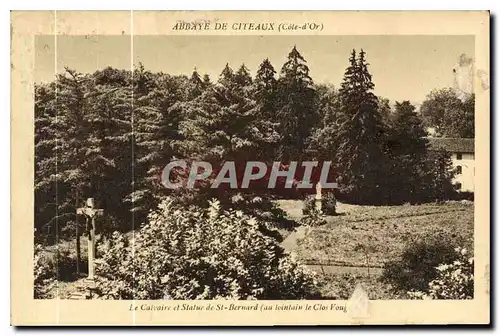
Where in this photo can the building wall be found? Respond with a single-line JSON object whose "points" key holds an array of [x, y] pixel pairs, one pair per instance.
{"points": [[466, 178]]}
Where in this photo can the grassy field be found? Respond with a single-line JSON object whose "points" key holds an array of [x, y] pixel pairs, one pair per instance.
{"points": [[341, 287], [372, 235]]}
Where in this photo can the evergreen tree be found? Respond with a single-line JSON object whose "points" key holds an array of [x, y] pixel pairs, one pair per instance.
{"points": [[265, 79], [46, 189], [196, 78], [206, 80], [158, 115], [81, 146], [296, 111], [323, 140], [197, 85], [359, 155], [438, 183], [265, 92], [385, 110], [61, 179], [226, 77], [222, 124], [407, 131], [265, 88], [242, 77], [406, 149]]}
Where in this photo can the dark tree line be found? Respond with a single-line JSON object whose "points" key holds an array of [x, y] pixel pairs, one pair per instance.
{"points": [[109, 134]]}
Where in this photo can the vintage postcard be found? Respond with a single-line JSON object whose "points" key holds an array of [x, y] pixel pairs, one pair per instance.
{"points": [[250, 168]]}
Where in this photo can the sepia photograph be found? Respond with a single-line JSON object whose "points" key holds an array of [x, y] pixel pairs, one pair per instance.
{"points": [[261, 165]]}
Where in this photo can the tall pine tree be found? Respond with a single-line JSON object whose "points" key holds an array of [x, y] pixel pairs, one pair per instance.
{"points": [[242, 77], [265, 93], [359, 155], [323, 143], [406, 150], [296, 111], [158, 114], [197, 85]]}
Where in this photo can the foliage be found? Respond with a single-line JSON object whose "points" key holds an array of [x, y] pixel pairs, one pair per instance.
{"points": [[416, 266], [111, 132], [265, 90], [44, 275], [308, 204], [266, 211], [296, 111], [448, 114], [322, 142], [84, 131], [454, 281], [157, 119], [328, 204], [359, 138], [200, 254], [313, 218], [438, 185], [406, 154]]}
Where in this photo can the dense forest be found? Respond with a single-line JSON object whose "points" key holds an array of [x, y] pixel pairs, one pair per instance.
{"points": [[109, 134]]}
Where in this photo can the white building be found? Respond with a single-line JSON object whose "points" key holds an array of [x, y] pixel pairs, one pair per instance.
{"points": [[462, 155]]}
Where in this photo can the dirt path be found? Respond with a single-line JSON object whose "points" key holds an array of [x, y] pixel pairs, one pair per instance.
{"points": [[290, 242]]}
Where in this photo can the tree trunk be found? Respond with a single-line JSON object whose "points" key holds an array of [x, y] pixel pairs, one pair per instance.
{"points": [[78, 249]]}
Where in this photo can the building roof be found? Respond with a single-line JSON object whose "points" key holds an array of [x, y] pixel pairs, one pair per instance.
{"points": [[457, 145]]}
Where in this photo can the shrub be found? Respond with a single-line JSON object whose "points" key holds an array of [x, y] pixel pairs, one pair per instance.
{"points": [[66, 264], [44, 274], [200, 254], [262, 208], [416, 266], [308, 205], [454, 281], [328, 204], [59, 261], [313, 218]]}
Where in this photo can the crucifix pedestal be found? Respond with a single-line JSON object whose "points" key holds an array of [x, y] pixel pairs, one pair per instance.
{"points": [[90, 214]]}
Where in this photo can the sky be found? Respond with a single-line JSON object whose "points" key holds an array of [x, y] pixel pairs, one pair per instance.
{"points": [[403, 67]]}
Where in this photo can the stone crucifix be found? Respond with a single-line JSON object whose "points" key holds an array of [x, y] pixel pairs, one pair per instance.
{"points": [[90, 214]]}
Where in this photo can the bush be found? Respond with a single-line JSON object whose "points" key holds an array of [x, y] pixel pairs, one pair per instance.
{"points": [[465, 195], [200, 254], [454, 281], [417, 265], [60, 260], [262, 208], [66, 264], [44, 274], [308, 205], [328, 204], [313, 218]]}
